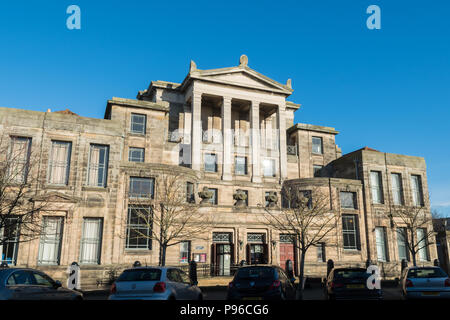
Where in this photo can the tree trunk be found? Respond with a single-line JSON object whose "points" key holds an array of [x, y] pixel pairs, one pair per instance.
{"points": [[301, 277], [163, 255], [414, 258]]}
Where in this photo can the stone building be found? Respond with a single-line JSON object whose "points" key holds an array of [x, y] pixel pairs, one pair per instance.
{"points": [[442, 229], [224, 129]]}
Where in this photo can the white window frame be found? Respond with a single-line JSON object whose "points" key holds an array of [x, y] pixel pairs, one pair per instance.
{"points": [[48, 240], [144, 227], [95, 167], [149, 195], [397, 189], [381, 242], [422, 242], [91, 243], [416, 190], [266, 168], [313, 145], [376, 187], [141, 157], [132, 122], [52, 165]]}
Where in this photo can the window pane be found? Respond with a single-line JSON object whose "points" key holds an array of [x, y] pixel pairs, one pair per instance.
{"points": [[348, 200], [138, 122], [50, 242], [91, 241], [139, 226], [416, 185], [381, 243], [317, 145], [98, 165], [213, 199], [422, 244], [19, 159], [269, 167], [397, 192], [349, 232], [59, 163], [136, 155], [210, 162], [376, 187], [10, 239], [401, 242], [141, 187], [241, 165]]}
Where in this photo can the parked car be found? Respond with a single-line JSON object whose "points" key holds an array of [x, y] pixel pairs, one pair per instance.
{"points": [[30, 284], [154, 283], [261, 282], [425, 282], [350, 283]]}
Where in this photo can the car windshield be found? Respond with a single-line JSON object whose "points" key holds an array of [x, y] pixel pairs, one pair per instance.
{"points": [[255, 273], [351, 274], [427, 273], [140, 275]]}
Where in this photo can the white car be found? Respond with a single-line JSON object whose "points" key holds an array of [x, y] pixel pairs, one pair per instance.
{"points": [[154, 283], [425, 282]]}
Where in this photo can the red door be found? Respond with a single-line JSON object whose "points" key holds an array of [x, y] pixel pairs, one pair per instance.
{"points": [[286, 253]]}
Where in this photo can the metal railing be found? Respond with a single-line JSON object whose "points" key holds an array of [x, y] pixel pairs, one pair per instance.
{"points": [[291, 149]]}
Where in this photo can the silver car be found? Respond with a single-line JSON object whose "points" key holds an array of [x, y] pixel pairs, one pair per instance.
{"points": [[30, 284], [154, 283], [425, 282]]}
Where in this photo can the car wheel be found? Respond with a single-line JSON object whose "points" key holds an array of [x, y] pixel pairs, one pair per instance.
{"points": [[172, 298], [331, 297]]}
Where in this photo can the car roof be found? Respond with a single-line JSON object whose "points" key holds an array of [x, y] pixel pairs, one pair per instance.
{"points": [[259, 265], [424, 267]]}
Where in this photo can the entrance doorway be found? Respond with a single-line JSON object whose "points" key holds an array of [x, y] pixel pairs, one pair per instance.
{"points": [[257, 249], [287, 251], [222, 254]]}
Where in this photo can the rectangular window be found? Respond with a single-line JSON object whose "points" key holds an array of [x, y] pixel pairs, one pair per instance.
{"points": [[59, 163], [266, 194], [138, 123], [139, 228], [19, 159], [321, 252], [422, 244], [316, 169], [402, 246], [98, 165], [240, 165], [397, 190], [50, 242], [416, 186], [185, 251], [269, 167], [317, 146], [210, 162], [213, 199], [9, 240], [91, 240], [381, 241], [142, 187], [376, 187], [136, 154], [350, 232], [190, 194], [348, 200]]}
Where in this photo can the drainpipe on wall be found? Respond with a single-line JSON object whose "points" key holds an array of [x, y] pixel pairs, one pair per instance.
{"points": [[365, 208]]}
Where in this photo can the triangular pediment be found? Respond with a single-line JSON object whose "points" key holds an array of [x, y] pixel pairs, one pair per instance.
{"points": [[55, 197], [243, 77]]}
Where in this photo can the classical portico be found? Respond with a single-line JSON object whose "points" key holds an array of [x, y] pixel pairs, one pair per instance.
{"points": [[236, 112]]}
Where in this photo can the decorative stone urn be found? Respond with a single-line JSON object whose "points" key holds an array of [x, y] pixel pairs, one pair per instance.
{"points": [[272, 199], [205, 195], [240, 198]]}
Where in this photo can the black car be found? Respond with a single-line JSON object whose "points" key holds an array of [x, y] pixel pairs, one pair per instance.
{"points": [[261, 282], [31, 284], [350, 283]]}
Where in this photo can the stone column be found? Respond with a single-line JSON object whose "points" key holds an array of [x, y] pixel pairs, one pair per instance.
{"points": [[187, 124], [282, 140], [227, 139], [196, 136], [255, 136]]}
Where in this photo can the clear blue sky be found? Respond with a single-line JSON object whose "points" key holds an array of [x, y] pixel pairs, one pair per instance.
{"points": [[388, 89]]}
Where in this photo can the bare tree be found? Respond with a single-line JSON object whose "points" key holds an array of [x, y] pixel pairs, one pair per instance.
{"points": [[19, 212], [414, 224], [306, 216], [169, 218]]}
